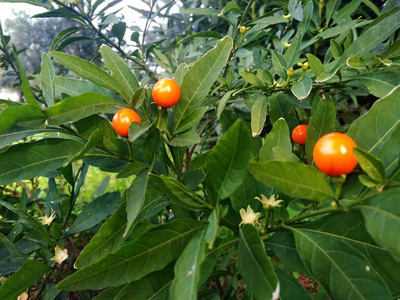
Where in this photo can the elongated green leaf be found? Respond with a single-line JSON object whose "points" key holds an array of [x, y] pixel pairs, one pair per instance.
{"points": [[372, 36], [384, 210], [180, 73], [11, 258], [294, 179], [135, 198], [284, 246], [280, 106], [342, 271], [146, 254], [86, 70], [322, 122], [185, 139], [258, 115], [137, 129], [191, 119], [279, 63], [346, 11], [120, 72], [244, 195], [201, 11], [79, 107], [279, 137], [187, 269], [14, 114], [25, 86], [75, 87], [315, 64], [105, 241], [212, 34], [370, 164], [39, 228], [153, 286], [381, 82], [22, 279], [47, 75], [228, 161], [25, 161], [109, 294], [289, 286], [373, 129], [132, 169], [94, 212], [199, 79], [255, 266], [293, 52], [94, 139], [223, 101], [350, 228], [303, 88], [16, 133], [185, 195], [62, 35]]}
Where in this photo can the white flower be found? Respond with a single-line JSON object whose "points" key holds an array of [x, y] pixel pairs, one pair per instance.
{"points": [[60, 255], [270, 203], [249, 216], [23, 296], [47, 220]]}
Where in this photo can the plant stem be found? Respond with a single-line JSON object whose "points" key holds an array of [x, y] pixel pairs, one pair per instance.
{"points": [[42, 286]]}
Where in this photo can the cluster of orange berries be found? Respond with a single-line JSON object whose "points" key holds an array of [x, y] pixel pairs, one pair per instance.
{"points": [[166, 93], [332, 153]]}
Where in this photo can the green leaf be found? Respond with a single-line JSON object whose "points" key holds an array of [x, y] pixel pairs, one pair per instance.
{"points": [[118, 30], [282, 154], [135, 197], [180, 73], [258, 115], [191, 119], [343, 271], [223, 101], [251, 78], [350, 228], [278, 137], [153, 286], [47, 75], [336, 49], [370, 164], [322, 122], [289, 286], [94, 139], [187, 269], [244, 195], [231, 6], [331, 8], [284, 246], [137, 129], [16, 133], [254, 265], [148, 253], [199, 80], [61, 13], [372, 130], [376, 33], [13, 114], [75, 108], [185, 139], [25, 161], [211, 34], [106, 240], [86, 70], [62, 35], [280, 106], [279, 63], [293, 52], [25, 277], [120, 72], [200, 11], [294, 179], [303, 88], [356, 62], [346, 11], [75, 87], [25, 86], [315, 64], [176, 190], [11, 258], [38, 227], [381, 82], [382, 220], [95, 212], [228, 161], [109, 294], [132, 169]]}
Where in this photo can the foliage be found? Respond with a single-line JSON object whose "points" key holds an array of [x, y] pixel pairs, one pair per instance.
{"points": [[190, 224]]}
